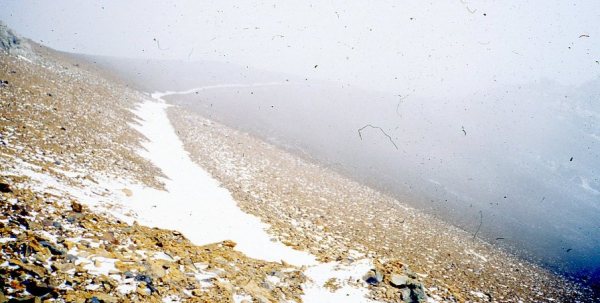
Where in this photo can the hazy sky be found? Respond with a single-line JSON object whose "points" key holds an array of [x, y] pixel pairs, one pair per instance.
{"points": [[404, 47]]}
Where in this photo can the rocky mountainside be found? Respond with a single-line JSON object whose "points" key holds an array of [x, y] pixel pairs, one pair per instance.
{"points": [[63, 128], [72, 154]]}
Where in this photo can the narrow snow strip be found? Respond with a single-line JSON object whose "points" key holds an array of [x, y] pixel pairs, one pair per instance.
{"points": [[195, 203], [158, 95]]}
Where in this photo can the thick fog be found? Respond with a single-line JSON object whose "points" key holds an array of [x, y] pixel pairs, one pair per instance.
{"points": [[436, 48], [484, 114]]}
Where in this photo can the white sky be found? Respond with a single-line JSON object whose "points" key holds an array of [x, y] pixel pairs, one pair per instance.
{"points": [[436, 48]]}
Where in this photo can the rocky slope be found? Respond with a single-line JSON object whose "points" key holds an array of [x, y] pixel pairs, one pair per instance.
{"points": [[68, 131], [63, 127], [315, 209]]}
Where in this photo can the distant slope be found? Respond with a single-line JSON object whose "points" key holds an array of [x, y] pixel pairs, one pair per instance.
{"points": [[165, 75]]}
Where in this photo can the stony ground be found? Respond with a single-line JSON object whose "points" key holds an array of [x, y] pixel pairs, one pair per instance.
{"points": [[313, 208], [53, 250]]}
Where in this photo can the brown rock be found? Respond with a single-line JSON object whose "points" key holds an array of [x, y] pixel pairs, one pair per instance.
{"points": [[60, 266], [76, 207], [229, 243]]}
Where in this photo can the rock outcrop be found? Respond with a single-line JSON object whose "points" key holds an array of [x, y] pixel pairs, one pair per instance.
{"points": [[11, 42]]}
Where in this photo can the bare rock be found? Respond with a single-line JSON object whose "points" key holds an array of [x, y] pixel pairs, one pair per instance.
{"points": [[229, 243]]}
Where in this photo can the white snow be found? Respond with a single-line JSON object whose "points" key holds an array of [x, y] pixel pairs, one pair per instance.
{"points": [[92, 287], [238, 298], [127, 286], [195, 203], [345, 275]]}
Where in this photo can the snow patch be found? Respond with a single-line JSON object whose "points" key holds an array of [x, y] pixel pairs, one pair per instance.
{"points": [[347, 276], [195, 203]]}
